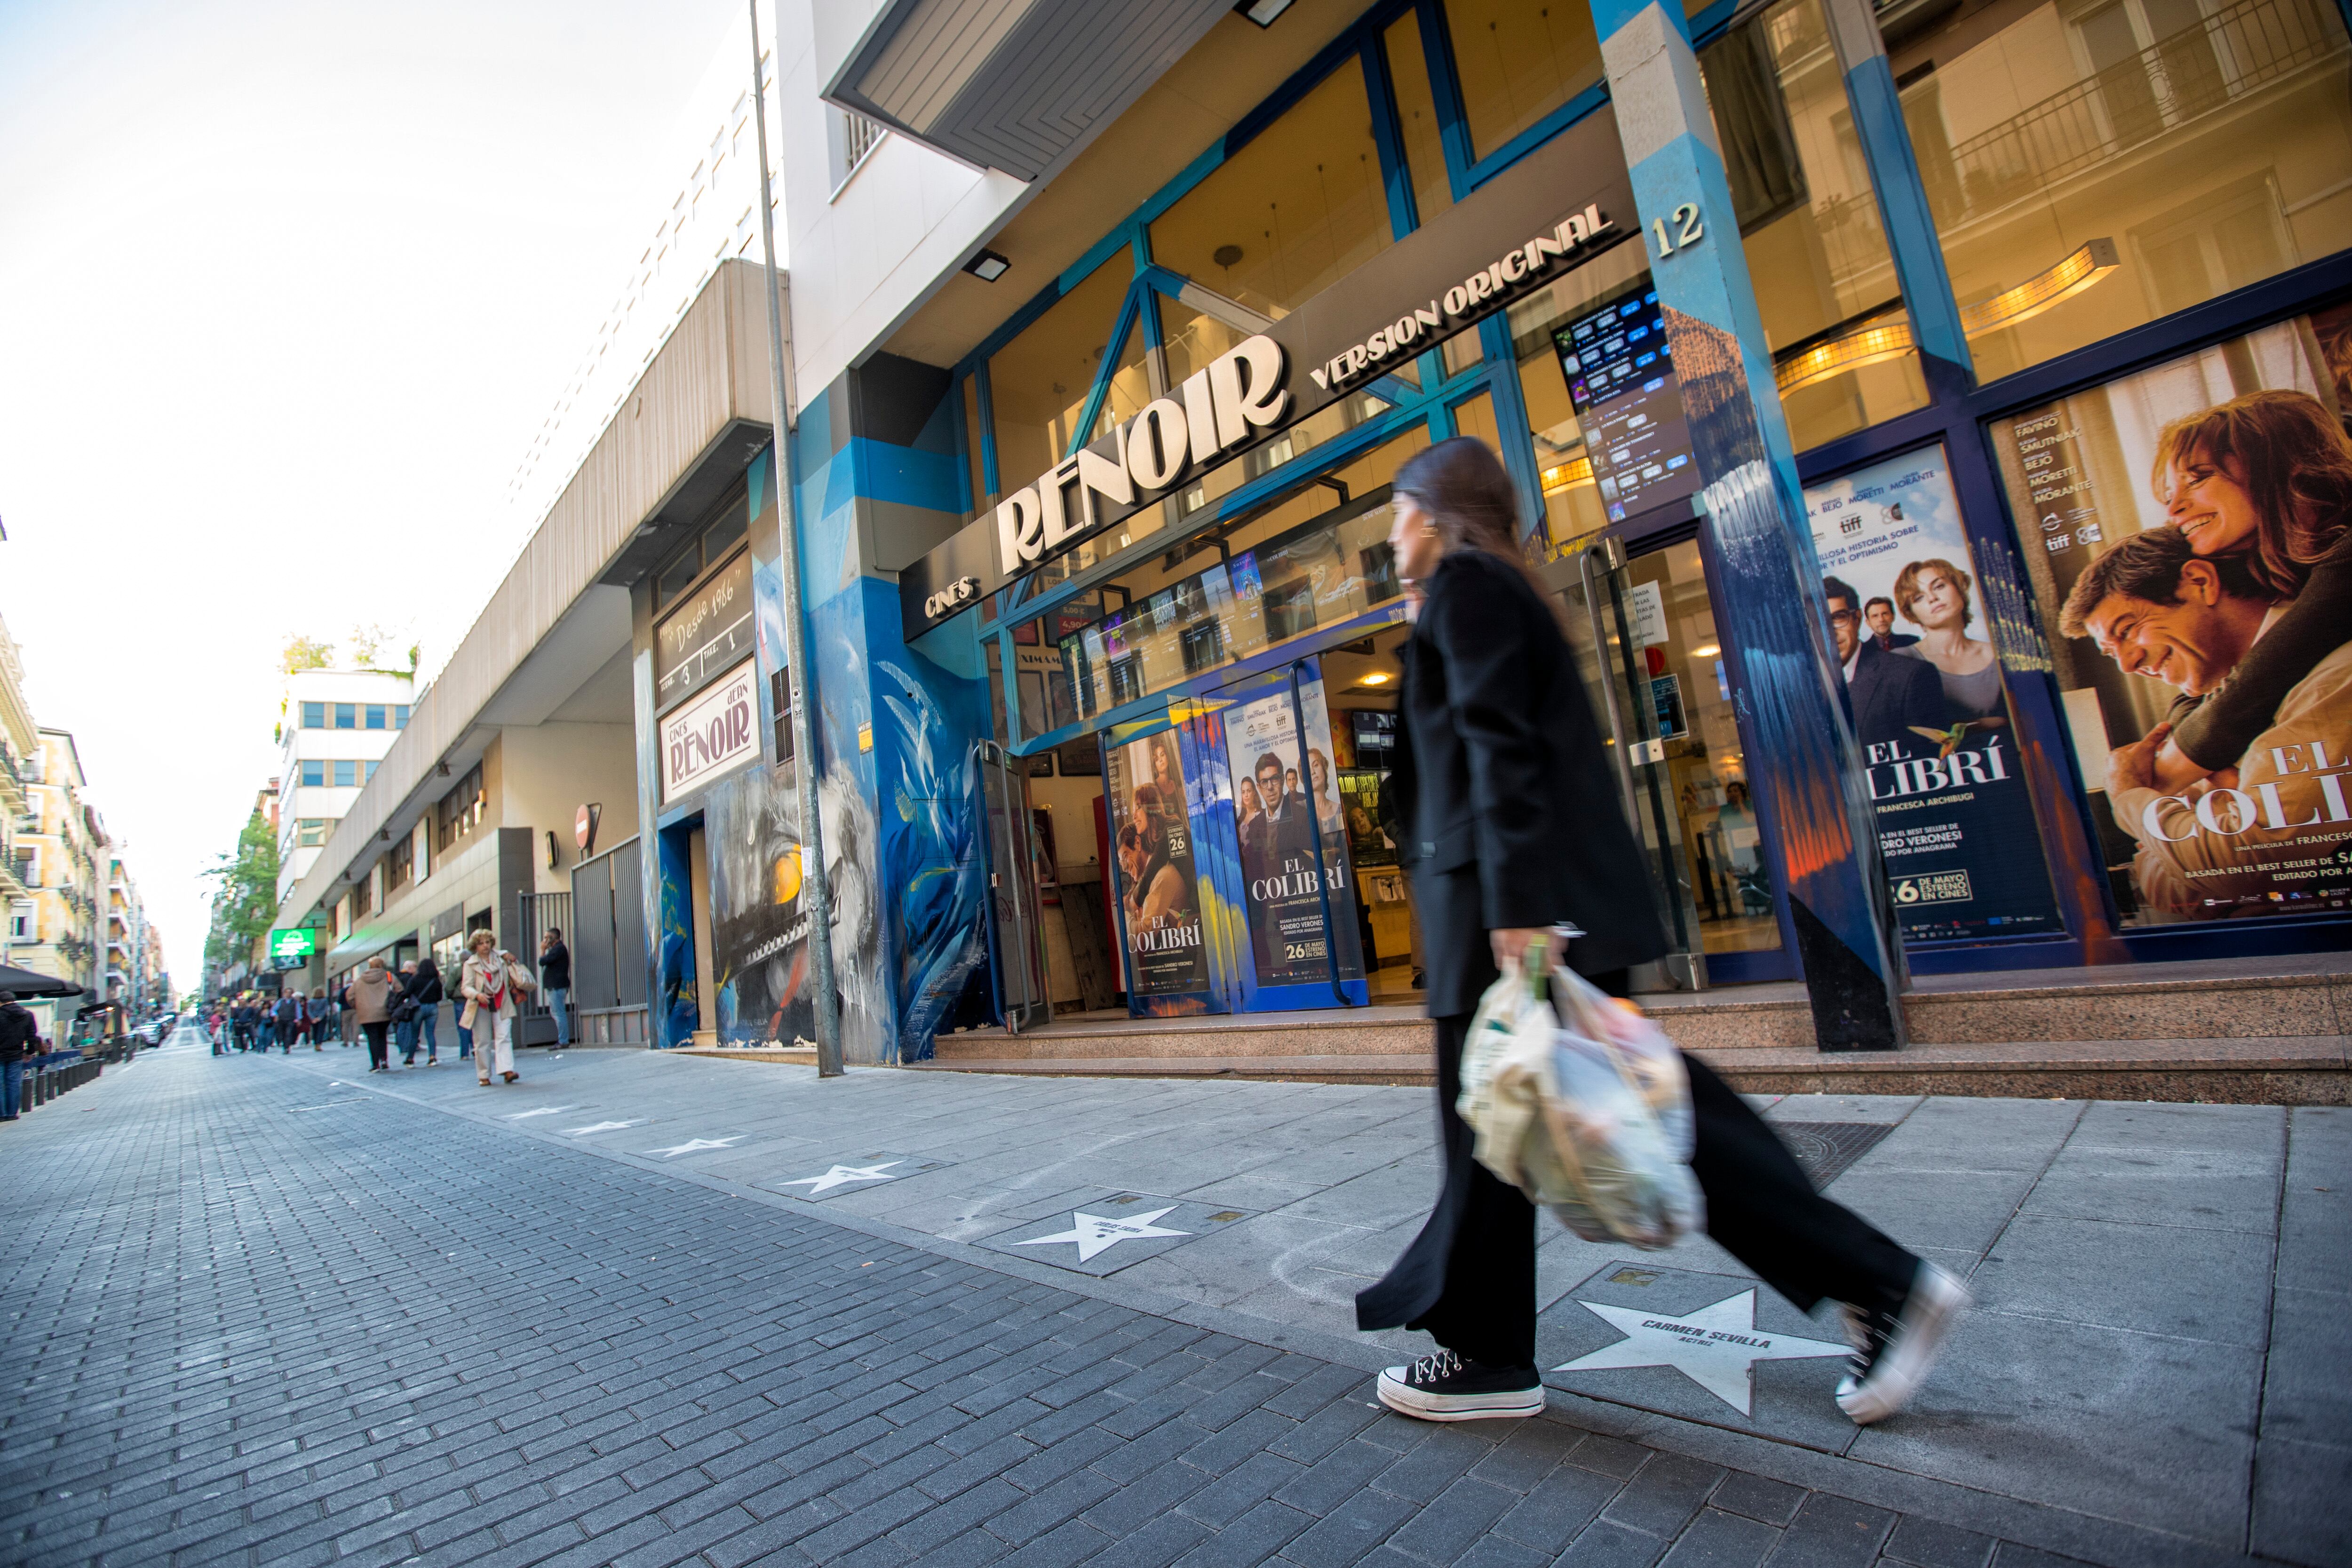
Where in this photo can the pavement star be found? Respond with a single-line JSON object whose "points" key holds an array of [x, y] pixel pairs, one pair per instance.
{"points": [[1716, 1347], [1097, 1233], [691, 1144], [841, 1175], [599, 1127], [543, 1110]]}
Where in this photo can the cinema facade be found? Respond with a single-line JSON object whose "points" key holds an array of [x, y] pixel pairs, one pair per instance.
{"points": [[1828, 349]]}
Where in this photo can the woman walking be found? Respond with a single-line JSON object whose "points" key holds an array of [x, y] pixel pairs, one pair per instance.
{"points": [[371, 1003], [490, 982], [322, 1017], [1510, 818]]}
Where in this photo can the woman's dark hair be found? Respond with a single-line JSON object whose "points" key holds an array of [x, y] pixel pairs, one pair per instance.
{"points": [[2295, 461], [1461, 484], [425, 966]]}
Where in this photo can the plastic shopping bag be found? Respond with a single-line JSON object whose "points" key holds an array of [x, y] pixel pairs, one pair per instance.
{"points": [[1585, 1110]]}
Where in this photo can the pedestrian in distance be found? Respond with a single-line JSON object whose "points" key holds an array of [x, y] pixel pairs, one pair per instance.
{"points": [[372, 994], [491, 983], [425, 989], [20, 1038], [264, 1026], [322, 1017], [1512, 824], [348, 1016], [290, 1021], [555, 983], [404, 1013]]}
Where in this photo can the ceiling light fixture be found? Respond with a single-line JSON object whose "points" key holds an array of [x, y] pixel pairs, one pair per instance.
{"points": [[1263, 12], [1377, 677], [1710, 651], [988, 265], [1888, 334]]}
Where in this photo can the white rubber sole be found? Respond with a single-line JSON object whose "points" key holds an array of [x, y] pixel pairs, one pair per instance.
{"points": [[1937, 1303], [1406, 1400]]}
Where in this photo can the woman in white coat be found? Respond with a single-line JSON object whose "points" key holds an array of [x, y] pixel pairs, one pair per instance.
{"points": [[490, 984]]}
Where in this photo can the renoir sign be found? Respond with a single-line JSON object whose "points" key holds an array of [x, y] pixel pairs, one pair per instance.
{"points": [[1563, 205], [715, 734]]}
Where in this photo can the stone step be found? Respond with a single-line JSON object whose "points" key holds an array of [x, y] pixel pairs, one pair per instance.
{"points": [[2273, 1070]]}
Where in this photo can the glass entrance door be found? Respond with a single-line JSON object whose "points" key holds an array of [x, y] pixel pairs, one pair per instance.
{"points": [[1644, 634], [1015, 918]]}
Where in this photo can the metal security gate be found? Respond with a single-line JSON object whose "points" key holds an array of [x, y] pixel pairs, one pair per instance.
{"points": [[606, 934], [534, 914]]}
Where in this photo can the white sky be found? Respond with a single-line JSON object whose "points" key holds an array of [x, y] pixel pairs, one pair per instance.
{"points": [[286, 289]]}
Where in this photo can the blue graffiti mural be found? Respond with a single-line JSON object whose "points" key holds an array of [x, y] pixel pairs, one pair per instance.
{"points": [[934, 861]]}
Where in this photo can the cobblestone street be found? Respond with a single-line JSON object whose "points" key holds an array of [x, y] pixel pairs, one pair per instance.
{"points": [[257, 1315]]}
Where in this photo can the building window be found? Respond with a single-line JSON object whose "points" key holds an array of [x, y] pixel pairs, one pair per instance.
{"points": [[2092, 167], [314, 773], [400, 864], [849, 137], [1518, 63], [347, 773], [21, 924], [363, 895], [1038, 381], [314, 715], [1299, 207], [312, 832], [400, 715], [714, 540], [367, 771], [376, 716], [457, 814], [346, 716]]}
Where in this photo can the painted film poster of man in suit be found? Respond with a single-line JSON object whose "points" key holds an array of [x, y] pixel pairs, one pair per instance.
{"points": [[1292, 831], [2187, 531], [1151, 839], [1955, 820]]}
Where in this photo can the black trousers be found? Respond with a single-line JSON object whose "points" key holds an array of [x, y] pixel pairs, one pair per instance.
{"points": [[1469, 1279], [377, 1054]]}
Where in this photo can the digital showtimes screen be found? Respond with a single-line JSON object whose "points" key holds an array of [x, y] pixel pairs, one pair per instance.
{"points": [[1620, 377]]}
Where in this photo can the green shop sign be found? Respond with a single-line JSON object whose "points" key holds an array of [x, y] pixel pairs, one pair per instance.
{"points": [[292, 947]]}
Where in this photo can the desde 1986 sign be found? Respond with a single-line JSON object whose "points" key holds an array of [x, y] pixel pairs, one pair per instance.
{"points": [[717, 732]]}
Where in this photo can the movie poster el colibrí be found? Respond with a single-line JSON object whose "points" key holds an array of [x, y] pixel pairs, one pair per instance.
{"points": [[1956, 824], [1293, 840]]}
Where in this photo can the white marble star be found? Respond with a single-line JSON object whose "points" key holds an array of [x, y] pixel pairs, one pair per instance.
{"points": [[1716, 1347], [543, 1110], [691, 1144], [601, 1127], [843, 1176], [1097, 1233]]}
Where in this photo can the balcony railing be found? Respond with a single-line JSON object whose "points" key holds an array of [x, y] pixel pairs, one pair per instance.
{"points": [[2221, 60]]}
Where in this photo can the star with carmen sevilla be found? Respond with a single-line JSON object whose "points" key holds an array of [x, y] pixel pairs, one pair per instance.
{"points": [[1716, 1347], [1097, 1233], [843, 1176]]}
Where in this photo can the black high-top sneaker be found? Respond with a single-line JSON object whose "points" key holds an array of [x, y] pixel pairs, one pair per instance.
{"points": [[1892, 1349], [1444, 1387]]}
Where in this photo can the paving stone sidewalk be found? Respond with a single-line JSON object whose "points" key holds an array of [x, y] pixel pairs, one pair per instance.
{"points": [[257, 1315]]}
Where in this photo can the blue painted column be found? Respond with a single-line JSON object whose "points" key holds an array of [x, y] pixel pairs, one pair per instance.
{"points": [[1903, 213], [1813, 789]]}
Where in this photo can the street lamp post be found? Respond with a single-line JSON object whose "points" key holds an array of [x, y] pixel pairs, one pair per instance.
{"points": [[817, 891]]}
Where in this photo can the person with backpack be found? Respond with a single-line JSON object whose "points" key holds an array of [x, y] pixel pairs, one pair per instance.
{"points": [[372, 995], [289, 1020], [404, 1013], [1513, 824]]}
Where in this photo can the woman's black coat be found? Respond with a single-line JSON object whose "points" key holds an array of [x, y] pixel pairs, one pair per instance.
{"points": [[1511, 817], [1511, 812]]}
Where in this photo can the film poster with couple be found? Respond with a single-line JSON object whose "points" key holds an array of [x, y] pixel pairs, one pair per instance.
{"points": [[2185, 529], [1293, 840], [1956, 822], [1159, 889]]}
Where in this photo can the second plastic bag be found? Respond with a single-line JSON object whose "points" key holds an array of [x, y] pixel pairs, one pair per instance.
{"points": [[1585, 1110]]}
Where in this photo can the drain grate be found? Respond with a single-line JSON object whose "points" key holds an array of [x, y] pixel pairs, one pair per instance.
{"points": [[1826, 1148]]}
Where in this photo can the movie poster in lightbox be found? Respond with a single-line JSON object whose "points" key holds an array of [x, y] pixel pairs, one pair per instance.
{"points": [[1294, 838], [1956, 823], [1159, 890]]}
